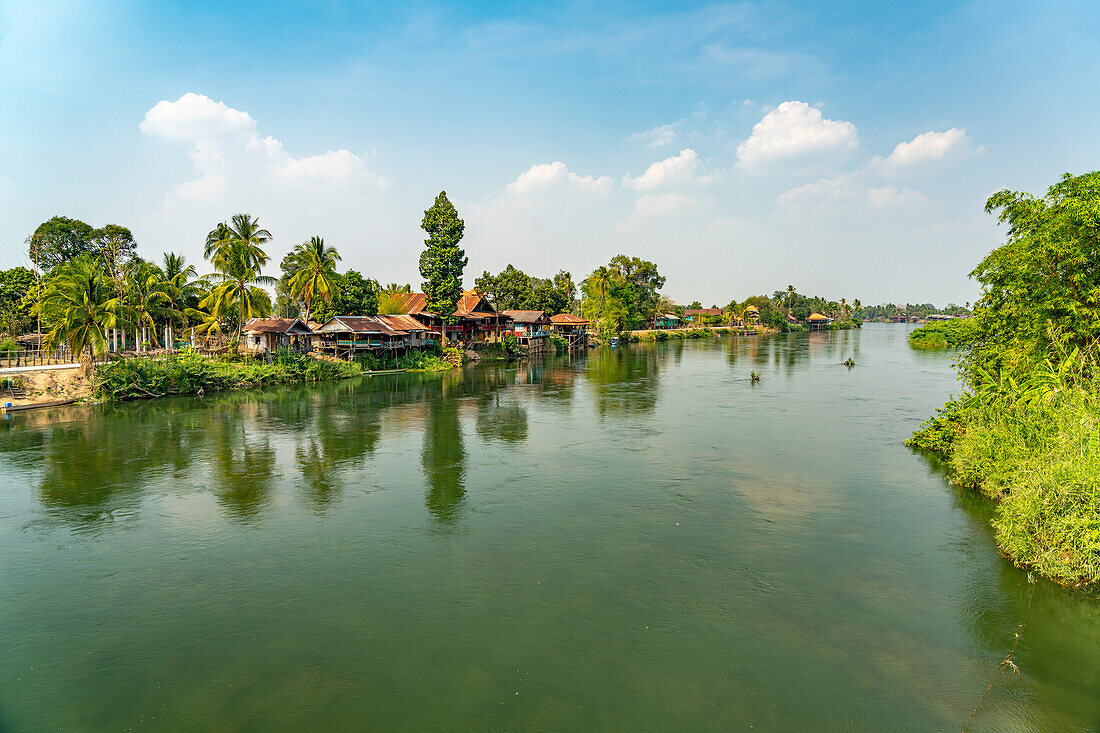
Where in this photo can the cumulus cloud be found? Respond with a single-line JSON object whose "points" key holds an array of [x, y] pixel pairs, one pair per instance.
{"points": [[555, 176], [229, 153], [953, 144], [795, 132], [675, 170]]}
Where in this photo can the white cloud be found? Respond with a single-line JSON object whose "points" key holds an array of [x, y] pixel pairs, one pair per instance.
{"points": [[659, 205], [795, 132], [953, 144], [232, 158], [849, 187], [675, 170], [659, 136], [556, 176]]}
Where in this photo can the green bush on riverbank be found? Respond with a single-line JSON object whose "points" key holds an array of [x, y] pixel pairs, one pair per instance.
{"points": [[188, 373], [943, 334], [415, 361], [1026, 430]]}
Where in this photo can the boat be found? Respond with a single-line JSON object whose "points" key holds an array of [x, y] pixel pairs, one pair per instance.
{"points": [[614, 341], [36, 405]]}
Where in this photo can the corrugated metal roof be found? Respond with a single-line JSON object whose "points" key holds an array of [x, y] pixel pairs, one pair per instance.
{"points": [[525, 316], [274, 325], [361, 324], [412, 303], [403, 323]]}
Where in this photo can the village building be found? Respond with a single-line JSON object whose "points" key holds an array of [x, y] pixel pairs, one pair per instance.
{"points": [[268, 334], [573, 329], [667, 320], [818, 321], [694, 314], [475, 318], [345, 336]]}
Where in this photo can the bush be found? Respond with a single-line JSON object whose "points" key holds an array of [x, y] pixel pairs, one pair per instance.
{"points": [[943, 334], [427, 360], [189, 373], [8, 346]]}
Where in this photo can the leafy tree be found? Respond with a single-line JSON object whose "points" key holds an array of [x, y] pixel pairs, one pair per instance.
{"points": [[1043, 284], [546, 297], [14, 286], [599, 288], [79, 301], [315, 275], [563, 282], [640, 282], [61, 239], [442, 261], [355, 296], [695, 304]]}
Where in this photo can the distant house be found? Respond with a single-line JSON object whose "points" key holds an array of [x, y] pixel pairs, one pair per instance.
{"points": [[268, 334], [525, 324], [752, 314], [693, 314], [816, 320], [667, 320]]}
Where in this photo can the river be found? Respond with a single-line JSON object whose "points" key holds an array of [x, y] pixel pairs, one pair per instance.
{"points": [[632, 539]]}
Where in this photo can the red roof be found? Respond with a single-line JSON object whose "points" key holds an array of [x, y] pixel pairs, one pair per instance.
{"points": [[403, 323], [568, 319]]}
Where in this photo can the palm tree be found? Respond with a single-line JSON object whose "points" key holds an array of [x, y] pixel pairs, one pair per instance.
{"points": [[790, 294], [600, 281], [79, 302], [180, 285], [844, 308], [316, 273], [145, 297], [235, 251]]}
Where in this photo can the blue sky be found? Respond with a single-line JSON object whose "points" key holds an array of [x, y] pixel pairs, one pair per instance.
{"points": [[844, 148]]}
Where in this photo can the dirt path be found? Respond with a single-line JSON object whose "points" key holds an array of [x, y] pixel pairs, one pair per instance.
{"points": [[46, 385]]}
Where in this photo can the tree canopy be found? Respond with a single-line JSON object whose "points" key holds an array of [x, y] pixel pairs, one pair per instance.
{"points": [[513, 289], [61, 239]]}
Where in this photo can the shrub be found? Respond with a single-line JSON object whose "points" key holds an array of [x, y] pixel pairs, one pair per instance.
{"points": [[943, 334], [8, 346]]}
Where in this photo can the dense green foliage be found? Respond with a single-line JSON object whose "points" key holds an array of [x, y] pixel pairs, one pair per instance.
{"points": [[442, 261], [513, 289], [190, 373], [953, 334], [622, 295], [314, 280], [62, 240], [1026, 432]]}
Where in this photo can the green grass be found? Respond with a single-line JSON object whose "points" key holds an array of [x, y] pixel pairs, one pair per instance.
{"points": [[943, 334]]}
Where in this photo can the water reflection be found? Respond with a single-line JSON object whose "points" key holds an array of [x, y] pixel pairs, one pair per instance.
{"points": [[443, 458]]}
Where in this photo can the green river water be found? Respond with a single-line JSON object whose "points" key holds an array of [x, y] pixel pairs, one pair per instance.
{"points": [[630, 539]]}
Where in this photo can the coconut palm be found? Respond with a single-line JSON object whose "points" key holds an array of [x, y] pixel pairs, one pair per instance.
{"points": [[145, 297], [238, 291], [844, 308], [315, 275], [180, 284], [600, 281], [243, 233], [79, 302]]}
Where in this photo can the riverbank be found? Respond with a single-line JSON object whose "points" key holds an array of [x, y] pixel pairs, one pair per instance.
{"points": [[46, 384]]}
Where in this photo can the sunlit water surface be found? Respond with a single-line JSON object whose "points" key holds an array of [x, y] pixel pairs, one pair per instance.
{"points": [[632, 539]]}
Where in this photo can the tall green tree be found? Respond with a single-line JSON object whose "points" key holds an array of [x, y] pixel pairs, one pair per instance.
{"points": [[315, 275], [442, 261]]}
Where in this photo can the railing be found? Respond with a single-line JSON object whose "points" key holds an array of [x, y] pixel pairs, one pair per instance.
{"points": [[35, 357]]}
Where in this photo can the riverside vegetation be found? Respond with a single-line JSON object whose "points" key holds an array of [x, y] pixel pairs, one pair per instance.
{"points": [[1026, 429]]}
